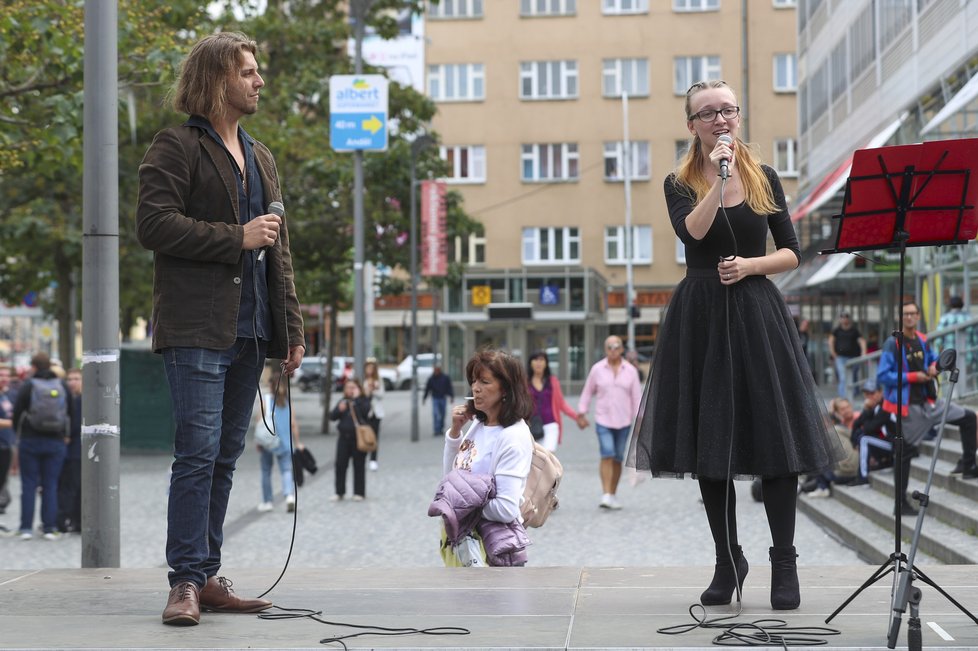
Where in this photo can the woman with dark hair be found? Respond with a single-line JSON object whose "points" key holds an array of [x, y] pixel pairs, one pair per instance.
{"points": [[498, 442], [548, 400], [353, 408], [731, 394]]}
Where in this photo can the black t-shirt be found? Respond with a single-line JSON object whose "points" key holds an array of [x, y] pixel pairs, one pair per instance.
{"points": [[915, 362], [847, 342]]}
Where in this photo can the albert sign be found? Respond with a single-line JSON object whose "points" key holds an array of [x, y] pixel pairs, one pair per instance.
{"points": [[358, 112]]}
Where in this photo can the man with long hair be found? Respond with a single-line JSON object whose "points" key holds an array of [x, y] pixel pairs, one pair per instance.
{"points": [[220, 306]]}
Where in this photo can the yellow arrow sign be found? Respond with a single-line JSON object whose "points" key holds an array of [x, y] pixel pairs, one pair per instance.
{"points": [[372, 125]]}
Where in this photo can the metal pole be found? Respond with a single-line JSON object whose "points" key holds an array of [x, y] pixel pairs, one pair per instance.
{"points": [[359, 8], [415, 435], [627, 169], [100, 290]]}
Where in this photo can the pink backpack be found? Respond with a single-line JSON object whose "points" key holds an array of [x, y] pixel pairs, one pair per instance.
{"points": [[540, 494]]}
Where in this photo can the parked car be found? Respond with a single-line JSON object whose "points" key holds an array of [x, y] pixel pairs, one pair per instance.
{"points": [[310, 374], [426, 365]]}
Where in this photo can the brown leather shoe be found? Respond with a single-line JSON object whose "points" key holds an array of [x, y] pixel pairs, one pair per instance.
{"points": [[218, 596], [183, 605]]}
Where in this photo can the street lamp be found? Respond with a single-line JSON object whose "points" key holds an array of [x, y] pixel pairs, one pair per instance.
{"points": [[419, 143]]}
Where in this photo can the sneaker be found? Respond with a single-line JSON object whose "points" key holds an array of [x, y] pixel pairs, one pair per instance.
{"points": [[52, 535], [335, 498], [373, 465], [605, 501], [613, 503], [264, 507], [26, 535], [358, 498], [290, 503], [820, 492]]}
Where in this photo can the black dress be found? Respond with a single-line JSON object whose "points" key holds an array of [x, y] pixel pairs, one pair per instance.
{"points": [[731, 393]]}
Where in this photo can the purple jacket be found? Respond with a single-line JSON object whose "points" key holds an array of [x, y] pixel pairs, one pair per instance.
{"points": [[459, 500]]}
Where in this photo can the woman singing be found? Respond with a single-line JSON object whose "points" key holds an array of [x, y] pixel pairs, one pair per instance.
{"points": [[731, 394]]}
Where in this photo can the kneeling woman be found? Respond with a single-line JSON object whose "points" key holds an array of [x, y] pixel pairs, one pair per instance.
{"points": [[497, 449]]}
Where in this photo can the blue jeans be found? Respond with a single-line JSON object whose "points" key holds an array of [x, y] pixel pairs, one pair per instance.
{"points": [[612, 441], [438, 414], [213, 392], [41, 459], [284, 458], [840, 371]]}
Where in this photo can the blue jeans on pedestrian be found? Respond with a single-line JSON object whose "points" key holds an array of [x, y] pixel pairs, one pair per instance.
{"points": [[213, 393], [840, 371], [612, 441], [41, 458], [438, 414], [284, 458]]}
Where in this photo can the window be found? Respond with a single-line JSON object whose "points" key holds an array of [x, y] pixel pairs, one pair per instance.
{"points": [[614, 245], [472, 252], [456, 82], [625, 7], [689, 70], [680, 251], [556, 245], [548, 79], [680, 148], [695, 5], [839, 70], [862, 42], [455, 9], [557, 162], [786, 156], [548, 7], [785, 73], [466, 163], [626, 75], [614, 160], [785, 4]]}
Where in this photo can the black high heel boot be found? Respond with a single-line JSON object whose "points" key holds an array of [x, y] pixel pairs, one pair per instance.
{"points": [[722, 587], [785, 593]]}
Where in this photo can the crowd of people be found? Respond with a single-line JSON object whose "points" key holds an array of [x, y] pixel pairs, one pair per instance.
{"points": [[40, 439]]}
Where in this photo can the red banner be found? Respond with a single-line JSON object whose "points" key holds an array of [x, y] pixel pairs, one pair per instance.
{"points": [[434, 252]]}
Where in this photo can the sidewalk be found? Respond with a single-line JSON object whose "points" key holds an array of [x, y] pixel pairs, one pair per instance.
{"points": [[662, 524]]}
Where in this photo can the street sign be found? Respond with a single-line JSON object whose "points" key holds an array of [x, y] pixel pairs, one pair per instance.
{"points": [[358, 112]]}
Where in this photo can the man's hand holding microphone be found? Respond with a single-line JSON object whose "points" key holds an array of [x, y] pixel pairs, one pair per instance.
{"points": [[262, 231]]}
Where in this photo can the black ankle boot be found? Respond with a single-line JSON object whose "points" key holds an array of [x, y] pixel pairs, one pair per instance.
{"points": [[723, 585], [785, 593]]}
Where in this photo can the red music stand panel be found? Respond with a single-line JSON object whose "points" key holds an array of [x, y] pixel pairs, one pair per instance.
{"points": [[923, 191]]}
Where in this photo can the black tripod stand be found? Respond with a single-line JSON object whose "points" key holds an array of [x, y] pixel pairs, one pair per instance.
{"points": [[924, 203]]}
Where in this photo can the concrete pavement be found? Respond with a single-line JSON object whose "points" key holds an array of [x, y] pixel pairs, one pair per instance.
{"points": [[662, 524]]}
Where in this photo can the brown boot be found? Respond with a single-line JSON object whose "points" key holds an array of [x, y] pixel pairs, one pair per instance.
{"points": [[218, 597], [183, 605]]}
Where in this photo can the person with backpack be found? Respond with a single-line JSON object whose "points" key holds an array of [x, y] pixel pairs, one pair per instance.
{"points": [[42, 420]]}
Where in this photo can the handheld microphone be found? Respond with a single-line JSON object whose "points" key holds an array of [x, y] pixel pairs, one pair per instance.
{"points": [[724, 163], [275, 208]]}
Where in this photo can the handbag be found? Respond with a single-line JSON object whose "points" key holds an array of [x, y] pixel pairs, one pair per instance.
{"points": [[540, 494], [366, 437], [264, 437]]}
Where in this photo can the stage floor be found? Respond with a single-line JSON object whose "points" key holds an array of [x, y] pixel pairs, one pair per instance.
{"points": [[539, 608]]}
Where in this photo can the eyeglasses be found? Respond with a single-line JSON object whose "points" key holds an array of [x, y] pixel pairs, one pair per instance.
{"points": [[914, 313], [612, 347], [709, 115]]}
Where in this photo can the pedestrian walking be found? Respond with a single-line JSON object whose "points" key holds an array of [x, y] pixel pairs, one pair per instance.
{"points": [[224, 301], [69, 484], [373, 389], [277, 415], [731, 394], [845, 343], [439, 387], [8, 439], [617, 392], [352, 408], [548, 401]]}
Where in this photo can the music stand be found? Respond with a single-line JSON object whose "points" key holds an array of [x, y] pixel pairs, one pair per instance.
{"points": [[909, 195]]}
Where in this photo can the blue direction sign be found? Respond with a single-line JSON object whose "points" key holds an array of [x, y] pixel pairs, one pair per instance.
{"points": [[358, 112]]}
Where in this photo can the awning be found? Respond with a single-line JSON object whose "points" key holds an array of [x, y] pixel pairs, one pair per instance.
{"points": [[830, 269], [961, 99], [836, 180]]}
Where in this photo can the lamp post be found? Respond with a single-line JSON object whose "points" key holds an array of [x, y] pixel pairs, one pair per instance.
{"points": [[419, 143]]}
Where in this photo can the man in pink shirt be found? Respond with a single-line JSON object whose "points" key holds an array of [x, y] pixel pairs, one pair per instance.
{"points": [[618, 391]]}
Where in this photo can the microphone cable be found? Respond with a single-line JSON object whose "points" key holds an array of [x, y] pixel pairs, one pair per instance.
{"points": [[761, 632], [307, 613]]}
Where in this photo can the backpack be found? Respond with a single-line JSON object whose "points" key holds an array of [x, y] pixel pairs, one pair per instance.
{"points": [[540, 494], [48, 413]]}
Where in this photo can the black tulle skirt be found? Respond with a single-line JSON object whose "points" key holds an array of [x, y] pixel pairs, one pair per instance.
{"points": [[731, 393]]}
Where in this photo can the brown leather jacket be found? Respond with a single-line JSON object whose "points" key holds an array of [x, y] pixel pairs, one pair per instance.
{"points": [[187, 214]]}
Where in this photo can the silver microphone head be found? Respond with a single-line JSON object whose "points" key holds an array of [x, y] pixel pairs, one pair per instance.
{"points": [[276, 208], [725, 139]]}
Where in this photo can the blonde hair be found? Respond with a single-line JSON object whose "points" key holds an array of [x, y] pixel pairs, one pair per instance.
{"points": [[202, 88], [689, 172]]}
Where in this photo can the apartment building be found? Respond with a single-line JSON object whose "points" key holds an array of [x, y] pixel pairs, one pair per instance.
{"points": [[530, 117]]}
